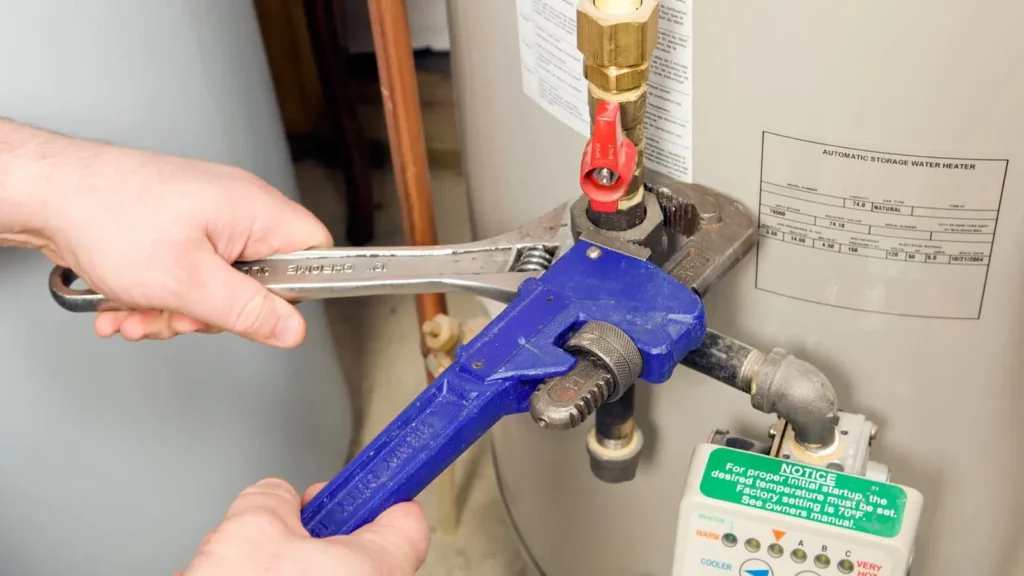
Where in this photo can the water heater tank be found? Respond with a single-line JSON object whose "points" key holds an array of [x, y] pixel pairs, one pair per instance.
{"points": [[898, 125]]}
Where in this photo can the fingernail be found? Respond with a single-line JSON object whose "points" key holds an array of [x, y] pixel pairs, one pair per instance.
{"points": [[288, 331]]}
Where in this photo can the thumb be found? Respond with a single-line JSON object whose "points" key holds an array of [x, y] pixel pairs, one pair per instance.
{"points": [[398, 538], [233, 301]]}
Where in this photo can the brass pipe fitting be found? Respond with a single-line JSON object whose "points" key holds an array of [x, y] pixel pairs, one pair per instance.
{"points": [[632, 105], [633, 110], [617, 78], [617, 39], [617, 6], [620, 40]]}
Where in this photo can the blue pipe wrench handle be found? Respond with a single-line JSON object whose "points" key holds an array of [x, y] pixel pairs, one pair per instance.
{"points": [[494, 375]]}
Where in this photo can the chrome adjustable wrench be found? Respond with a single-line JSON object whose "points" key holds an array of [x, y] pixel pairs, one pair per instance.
{"points": [[492, 268], [589, 312]]}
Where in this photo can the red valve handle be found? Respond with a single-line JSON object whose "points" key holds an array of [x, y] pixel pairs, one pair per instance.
{"points": [[609, 160]]}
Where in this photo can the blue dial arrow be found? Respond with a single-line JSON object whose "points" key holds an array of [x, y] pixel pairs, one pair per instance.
{"points": [[758, 572]]}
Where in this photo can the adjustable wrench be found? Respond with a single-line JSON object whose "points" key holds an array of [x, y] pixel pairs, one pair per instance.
{"points": [[558, 276], [492, 268]]}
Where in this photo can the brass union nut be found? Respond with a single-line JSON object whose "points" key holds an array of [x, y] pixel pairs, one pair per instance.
{"points": [[620, 40], [617, 79]]}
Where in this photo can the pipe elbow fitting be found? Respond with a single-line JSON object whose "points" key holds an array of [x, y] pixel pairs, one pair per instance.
{"points": [[798, 392]]}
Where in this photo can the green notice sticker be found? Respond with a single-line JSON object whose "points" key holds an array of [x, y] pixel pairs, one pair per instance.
{"points": [[806, 492]]}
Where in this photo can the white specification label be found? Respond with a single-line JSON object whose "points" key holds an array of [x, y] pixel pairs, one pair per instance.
{"points": [[877, 231], [553, 77]]}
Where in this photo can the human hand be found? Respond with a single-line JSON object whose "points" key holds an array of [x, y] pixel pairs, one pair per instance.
{"points": [[262, 534], [155, 234]]}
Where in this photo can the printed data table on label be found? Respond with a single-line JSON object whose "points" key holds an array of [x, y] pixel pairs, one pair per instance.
{"points": [[877, 231]]}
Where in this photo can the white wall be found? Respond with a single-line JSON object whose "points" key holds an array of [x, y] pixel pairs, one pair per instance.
{"points": [[116, 457]]}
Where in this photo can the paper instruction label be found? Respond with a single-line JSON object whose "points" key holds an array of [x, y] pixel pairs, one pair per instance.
{"points": [[552, 70], [877, 231]]}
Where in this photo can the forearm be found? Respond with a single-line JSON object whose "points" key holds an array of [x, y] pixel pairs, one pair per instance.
{"points": [[28, 159]]}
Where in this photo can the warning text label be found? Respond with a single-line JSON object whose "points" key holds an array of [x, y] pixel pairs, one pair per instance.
{"points": [[805, 492]]}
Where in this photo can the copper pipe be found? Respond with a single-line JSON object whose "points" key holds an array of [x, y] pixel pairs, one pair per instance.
{"points": [[401, 97]]}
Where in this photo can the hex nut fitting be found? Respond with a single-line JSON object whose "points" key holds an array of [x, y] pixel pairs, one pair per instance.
{"points": [[617, 40], [611, 464], [650, 233], [615, 79]]}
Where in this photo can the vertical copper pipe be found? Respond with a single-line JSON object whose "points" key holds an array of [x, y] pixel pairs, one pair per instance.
{"points": [[400, 92], [401, 96]]}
